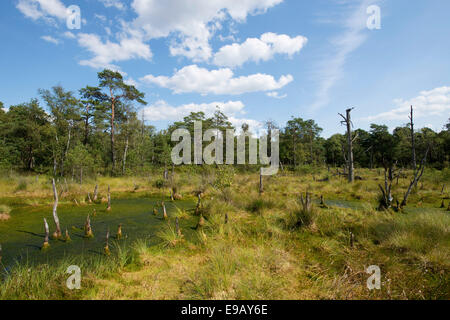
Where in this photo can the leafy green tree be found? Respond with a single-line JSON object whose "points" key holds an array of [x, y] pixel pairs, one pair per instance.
{"points": [[28, 135], [117, 93]]}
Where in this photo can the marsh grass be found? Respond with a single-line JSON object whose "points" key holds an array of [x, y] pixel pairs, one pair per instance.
{"points": [[262, 252]]}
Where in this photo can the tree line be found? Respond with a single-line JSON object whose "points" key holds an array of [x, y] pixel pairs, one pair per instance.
{"points": [[98, 130]]}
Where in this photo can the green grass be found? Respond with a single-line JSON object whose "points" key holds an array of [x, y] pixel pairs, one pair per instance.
{"points": [[258, 254]]}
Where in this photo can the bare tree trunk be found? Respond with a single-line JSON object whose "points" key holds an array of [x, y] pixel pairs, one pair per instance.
{"points": [[350, 163], [164, 211], [113, 153], [47, 233], [67, 149], [107, 252], [417, 176], [58, 233], [88, 229], [413, 143], [125, 156], [96, 192], [108, 208]]}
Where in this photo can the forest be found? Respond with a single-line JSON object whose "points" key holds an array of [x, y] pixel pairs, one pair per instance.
{"points": [[98, 130]]}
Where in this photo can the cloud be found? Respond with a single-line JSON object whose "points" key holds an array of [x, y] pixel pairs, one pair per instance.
{"points": [[113, 3], [50, 39], [162, 111], [192, 22], [433, 103], [69, 35], [276, 95], [106, 53], [221, 81], [43, 9], [331, 69], [256, 50]]}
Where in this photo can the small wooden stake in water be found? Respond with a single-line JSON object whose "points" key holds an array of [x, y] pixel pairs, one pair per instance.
{"points": [[87, 228], [67, 237], [107, 252], [46, 245], [109, 199]]}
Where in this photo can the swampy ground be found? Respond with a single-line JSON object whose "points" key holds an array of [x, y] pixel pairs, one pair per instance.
{"points": [[259, 252]]}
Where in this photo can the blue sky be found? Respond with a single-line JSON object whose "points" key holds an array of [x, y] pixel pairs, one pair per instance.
{"points": [[256, 59]]}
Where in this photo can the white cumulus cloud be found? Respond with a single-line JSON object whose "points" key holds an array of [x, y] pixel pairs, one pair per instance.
{"points": [[221, 81], [432, 103], [192, 22], [256, 50], [45, 9], [106, 53]]}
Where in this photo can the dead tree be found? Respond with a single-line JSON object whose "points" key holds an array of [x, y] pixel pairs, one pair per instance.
{"points": [[417, 176], [88, 229], [96, 192], [46, 245], [306, 202], [57, 234], [413, 142], [350, 163], [390, 173], [108, 208]]}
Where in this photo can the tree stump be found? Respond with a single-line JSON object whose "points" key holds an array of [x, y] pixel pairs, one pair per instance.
{"points": [[88, 229], [67, 237], [46, 245], [108, 208], [107, 252], [165, 216], [96, 193]]}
